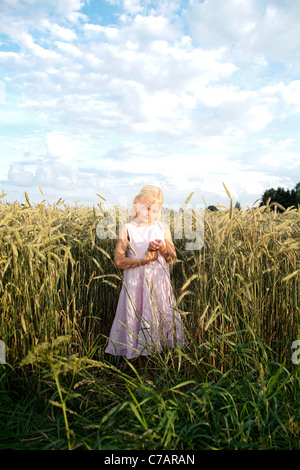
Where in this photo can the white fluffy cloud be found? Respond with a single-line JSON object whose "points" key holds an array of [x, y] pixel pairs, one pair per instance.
{"points": [[185, 93], [255, 28]]}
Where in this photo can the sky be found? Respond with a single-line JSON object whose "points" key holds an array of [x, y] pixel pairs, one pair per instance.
{"points": [[106, 96]]}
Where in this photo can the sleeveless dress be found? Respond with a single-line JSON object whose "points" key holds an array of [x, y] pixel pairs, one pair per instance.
{"points": [[146, 320]]}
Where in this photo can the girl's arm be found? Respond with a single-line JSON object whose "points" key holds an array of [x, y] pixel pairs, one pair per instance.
{"points": [[169, 253], [167, 249], [122, 261]]}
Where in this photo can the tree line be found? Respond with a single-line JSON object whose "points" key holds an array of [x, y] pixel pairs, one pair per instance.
{"points": [[280, 198], [285, 197]]}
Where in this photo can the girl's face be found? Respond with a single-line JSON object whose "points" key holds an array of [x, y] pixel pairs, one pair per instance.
{"points": [[147, 210]]}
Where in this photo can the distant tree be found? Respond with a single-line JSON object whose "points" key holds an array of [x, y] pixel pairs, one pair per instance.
{"points": [[284, 197], [297, 188], [238, 205], [212, 208]]}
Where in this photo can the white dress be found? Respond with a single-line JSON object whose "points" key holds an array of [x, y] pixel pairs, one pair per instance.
{"points": [[146, 318]]}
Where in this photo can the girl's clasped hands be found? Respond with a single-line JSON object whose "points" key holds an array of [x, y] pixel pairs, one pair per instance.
{"points": [[154, 248], [157, 245]]}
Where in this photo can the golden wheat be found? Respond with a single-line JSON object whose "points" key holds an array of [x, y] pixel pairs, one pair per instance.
{"points": [[58, 278]]}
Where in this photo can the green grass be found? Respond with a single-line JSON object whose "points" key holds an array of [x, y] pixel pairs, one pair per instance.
{"points": [[59, 401]]}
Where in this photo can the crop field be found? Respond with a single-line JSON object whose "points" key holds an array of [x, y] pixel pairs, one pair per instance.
{"points": [[234, 385]]}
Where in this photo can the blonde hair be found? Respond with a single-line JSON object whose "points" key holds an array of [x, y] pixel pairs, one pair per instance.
{"points": [[149, 190]]}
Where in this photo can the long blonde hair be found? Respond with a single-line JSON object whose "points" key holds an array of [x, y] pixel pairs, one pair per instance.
{"points": [[149, 190]]}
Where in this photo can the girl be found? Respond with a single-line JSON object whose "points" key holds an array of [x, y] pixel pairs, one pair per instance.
{"points": [[146, 319]]}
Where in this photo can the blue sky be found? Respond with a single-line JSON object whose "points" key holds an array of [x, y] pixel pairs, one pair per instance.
{"points": [[106, 96]]}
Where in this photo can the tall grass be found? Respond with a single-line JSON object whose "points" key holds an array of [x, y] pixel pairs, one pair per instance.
{"points": [[232, 386], [246, 273], [81, 403]]}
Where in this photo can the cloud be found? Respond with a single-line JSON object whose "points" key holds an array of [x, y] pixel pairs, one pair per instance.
{"points": [[53, 173], [57, 31], [129, 78], [183, 95], [56, 166], [251, 30], [61, 146], [19, 176]]}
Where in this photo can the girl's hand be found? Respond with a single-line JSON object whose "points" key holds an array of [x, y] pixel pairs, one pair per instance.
{"points": [[151, 256], [157, 245]]}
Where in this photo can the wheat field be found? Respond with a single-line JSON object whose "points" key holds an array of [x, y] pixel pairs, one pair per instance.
{"points": [[238, 296], [58, 277]]}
